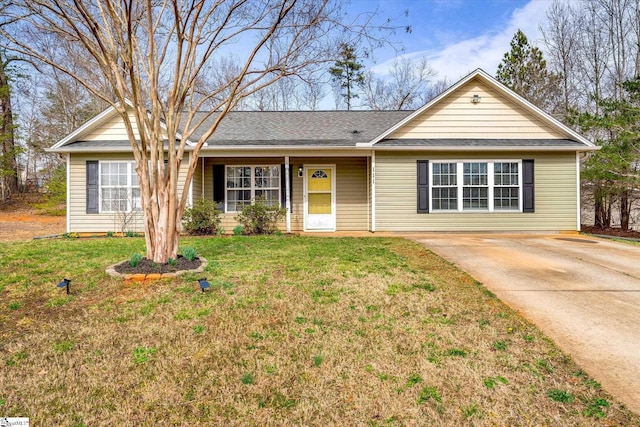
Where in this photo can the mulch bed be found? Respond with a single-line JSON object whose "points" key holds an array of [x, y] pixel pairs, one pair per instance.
{"points": [[615, 232], [146, 266]]}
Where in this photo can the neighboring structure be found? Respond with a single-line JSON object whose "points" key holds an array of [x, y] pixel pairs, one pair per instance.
{"points": [[476, 158]]}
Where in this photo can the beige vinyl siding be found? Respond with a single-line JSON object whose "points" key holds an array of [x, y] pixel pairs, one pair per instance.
{"points": [[555, 196], [351, 190], [196, 189], [495, 116], [112, 130], [79, 220]]}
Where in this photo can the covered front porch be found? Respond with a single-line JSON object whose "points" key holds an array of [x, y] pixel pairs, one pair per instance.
{"points": [[321, 193]]}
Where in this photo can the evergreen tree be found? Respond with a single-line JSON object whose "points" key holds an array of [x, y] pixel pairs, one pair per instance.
{"points": [[614, 170], [524, 70], [347, 74], [8, 156]]}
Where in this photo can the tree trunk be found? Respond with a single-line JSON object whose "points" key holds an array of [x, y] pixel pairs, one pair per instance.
{"points": [[602, 207], [9, 163], [162, 226], [625, 210]]}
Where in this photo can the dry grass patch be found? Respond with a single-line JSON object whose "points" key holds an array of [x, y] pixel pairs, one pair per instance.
{"points": [[304, 331]]}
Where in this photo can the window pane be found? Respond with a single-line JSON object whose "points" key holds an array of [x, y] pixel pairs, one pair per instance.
{"points": [[114, 199], [506, 173], [475, 174], [319, 203], [444, 174], [136, 203], [134, 175], [238, 177], [506, 198], [445, 198], [272, 197], [237, 199], [475, 198]]}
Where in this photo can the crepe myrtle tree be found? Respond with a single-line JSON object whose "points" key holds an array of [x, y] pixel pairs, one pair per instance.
{"points": [[153, 53]]}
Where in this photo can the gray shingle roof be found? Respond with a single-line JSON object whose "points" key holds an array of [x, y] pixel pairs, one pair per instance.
{"points": [[335, 128], [310, 129]]}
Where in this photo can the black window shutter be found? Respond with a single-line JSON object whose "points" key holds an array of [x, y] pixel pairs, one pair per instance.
{"points": [[92, 187], [423, 186], [283, 185], [528, 190], [218, 186]]}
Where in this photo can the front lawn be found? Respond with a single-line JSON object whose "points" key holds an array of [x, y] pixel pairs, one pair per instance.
{"points": [[294, 330]]}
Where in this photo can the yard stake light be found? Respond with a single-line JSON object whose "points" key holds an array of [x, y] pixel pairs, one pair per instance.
{"points": [[204, 284], [65, 283]]}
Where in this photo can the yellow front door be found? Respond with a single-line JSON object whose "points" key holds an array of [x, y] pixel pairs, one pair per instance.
{"points": [[320, 198]]}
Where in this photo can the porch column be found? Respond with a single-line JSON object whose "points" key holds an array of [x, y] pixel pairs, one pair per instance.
{"points": [[287, 191], [373, 191]]}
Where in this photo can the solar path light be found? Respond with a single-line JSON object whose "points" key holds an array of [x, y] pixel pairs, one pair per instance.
{"points": [[65, 283], [204, 284]]}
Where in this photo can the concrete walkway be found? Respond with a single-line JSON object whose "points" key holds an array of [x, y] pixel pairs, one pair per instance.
{"points": [[582, 292]]}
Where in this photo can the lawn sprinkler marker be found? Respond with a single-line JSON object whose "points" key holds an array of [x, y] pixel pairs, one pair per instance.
{"points": [[204, 284], [65, 283]]}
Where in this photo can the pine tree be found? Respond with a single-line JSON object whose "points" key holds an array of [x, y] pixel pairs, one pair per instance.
{"points": [[347, 74], [8, 156], [524, 70], [614, 170]]}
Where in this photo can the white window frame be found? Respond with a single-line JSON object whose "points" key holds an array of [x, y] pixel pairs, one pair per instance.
{"points": [[253, 187], [490, 183], [131, 169]]}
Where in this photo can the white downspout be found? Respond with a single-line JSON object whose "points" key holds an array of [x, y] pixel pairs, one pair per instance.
{"points": [[68, 193], [578, 202], [190, 199], [287, 191], [368, 196], [373, 191], [202, 179]]}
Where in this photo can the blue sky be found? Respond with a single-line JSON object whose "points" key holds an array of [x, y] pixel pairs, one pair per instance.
{"points": [[457, 36]]}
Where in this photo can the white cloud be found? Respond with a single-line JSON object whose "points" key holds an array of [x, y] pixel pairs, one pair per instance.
{"points": [[455, 60]]}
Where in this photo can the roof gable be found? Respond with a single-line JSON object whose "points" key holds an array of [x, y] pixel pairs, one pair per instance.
{"points": [[106, 126], [498, 113]]}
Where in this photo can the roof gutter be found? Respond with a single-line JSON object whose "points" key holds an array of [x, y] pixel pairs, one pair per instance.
{"points": [[489, 148], [289, 148]]}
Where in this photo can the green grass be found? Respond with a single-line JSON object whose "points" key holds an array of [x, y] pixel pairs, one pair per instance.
{"points": [[294, 331]]}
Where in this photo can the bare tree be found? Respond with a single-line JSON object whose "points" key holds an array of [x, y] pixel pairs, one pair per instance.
{"points": [[561, 37], [406, 88], [152, 52]]}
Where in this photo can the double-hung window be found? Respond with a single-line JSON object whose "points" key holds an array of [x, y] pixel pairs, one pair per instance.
{"points": [[475, 188], [245, 183], [506, 181], [445, 186], [119, 187], [467, 186]]}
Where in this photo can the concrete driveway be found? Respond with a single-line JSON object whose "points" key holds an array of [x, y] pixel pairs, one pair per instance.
{"points": [[582, 292]]}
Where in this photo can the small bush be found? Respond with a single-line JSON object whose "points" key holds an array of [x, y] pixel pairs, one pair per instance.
{"points": [[429, 393], [237, 230], [558, 395], [135, 259], [57, 185], [189, 253], [202, 218], [260, 217], [247, 378], [172, 262]]}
